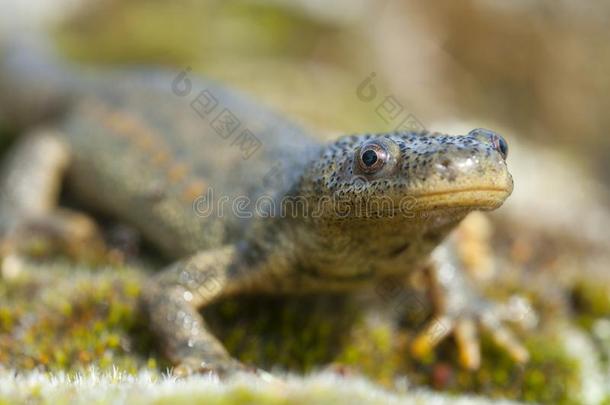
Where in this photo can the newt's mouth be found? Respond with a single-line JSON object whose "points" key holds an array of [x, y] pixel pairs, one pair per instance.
{"points": [[479, 198]]}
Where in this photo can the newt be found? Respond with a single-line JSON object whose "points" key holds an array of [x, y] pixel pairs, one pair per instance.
{"points": [[244, 200]]}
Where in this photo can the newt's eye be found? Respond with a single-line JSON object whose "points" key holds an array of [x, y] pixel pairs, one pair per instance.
{"points": [[372, 157], [496, 140], [501, 146]]}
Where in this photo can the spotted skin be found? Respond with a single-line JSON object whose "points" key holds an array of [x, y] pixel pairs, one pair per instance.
{"points": [[139, 151]]}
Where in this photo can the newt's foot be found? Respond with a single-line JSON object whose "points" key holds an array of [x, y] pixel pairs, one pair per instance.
{"points": [[60, 233], [463, 324]]}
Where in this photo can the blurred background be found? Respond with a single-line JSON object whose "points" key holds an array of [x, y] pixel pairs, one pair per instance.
{"points": [[538, 69], [535, 71]]}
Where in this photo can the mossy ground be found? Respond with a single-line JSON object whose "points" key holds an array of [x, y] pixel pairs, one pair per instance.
{"points": [[59, 317], [62, 317]]}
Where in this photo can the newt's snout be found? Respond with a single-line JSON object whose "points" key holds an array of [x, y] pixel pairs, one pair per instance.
{"points": [[457, 171]]}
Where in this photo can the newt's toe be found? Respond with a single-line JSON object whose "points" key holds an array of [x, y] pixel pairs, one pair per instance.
{"points": [[467, 339], [465, 330], [504, 338], [432, 334]]}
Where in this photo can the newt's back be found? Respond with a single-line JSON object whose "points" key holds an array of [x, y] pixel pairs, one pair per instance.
{"points": [[170, 154]]}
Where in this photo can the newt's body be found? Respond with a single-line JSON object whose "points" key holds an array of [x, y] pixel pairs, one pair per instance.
{"points": [[246, 200]]}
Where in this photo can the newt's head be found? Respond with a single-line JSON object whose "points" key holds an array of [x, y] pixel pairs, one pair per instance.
{"points": [[413, 174], [384, 202]]}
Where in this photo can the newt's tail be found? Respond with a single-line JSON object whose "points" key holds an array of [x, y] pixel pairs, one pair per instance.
{"points": [[34, 83]]}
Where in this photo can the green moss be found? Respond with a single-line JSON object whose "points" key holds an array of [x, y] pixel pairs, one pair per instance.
{"points": [[59, 317], [297, 334], [551, 376], [591, 300], [373, 349], [308, 333], [62, 317]]}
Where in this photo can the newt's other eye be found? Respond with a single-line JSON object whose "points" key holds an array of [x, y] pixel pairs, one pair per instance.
{"points": [[372, 157], [496, 140], [501, 146]]}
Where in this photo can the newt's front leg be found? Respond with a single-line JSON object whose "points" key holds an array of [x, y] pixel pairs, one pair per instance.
{"points": [[173, 299], [461, 311]]}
